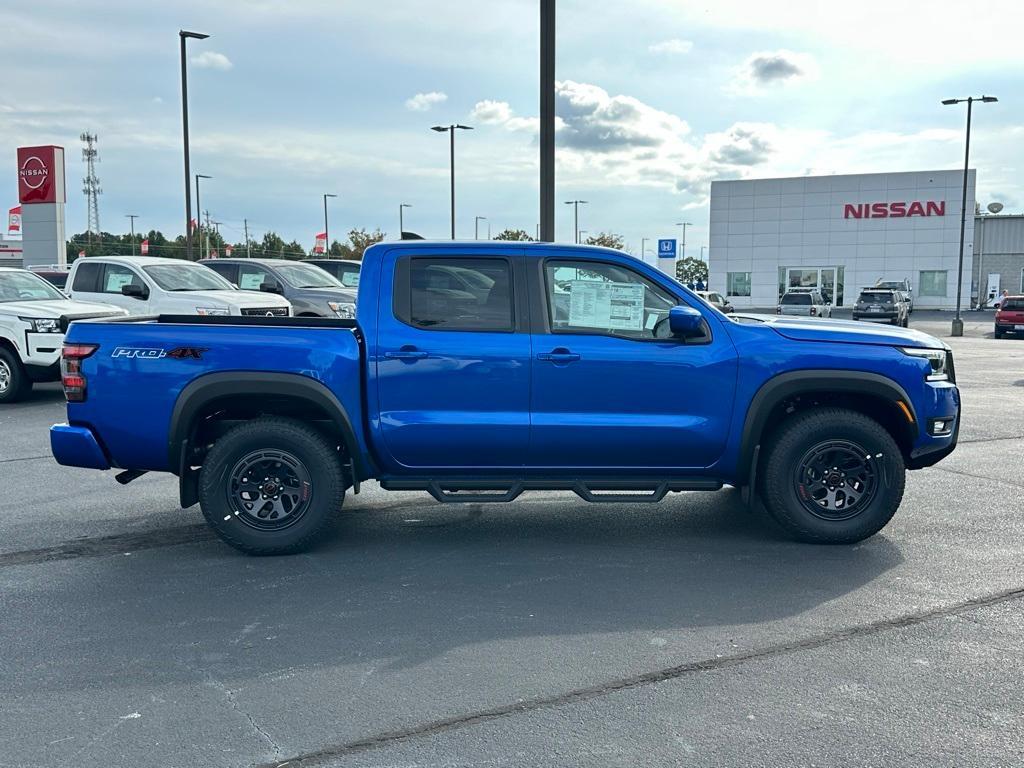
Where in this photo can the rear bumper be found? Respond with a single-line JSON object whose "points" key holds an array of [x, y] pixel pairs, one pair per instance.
{"points": [[874, 317], [77, 447]]}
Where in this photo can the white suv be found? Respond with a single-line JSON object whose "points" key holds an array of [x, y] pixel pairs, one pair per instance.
{"points": [[33, 318], [808, 302], [148, 285]]}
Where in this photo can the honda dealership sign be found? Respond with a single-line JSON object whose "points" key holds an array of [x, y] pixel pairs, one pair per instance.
{"points": [[42, 195], [41, 174]]}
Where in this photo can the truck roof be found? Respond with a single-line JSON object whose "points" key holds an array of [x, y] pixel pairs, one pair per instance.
{"points": [[138, 261]]}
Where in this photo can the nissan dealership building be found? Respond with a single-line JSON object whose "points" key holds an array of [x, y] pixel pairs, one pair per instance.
{"points": [[841, 233]]}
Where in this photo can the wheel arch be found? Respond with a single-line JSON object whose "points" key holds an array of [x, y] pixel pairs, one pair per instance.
{"points": [[874, 395], [243, 394]]}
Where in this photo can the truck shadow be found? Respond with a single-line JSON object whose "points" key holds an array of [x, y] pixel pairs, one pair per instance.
{"points": [[410, 585]]}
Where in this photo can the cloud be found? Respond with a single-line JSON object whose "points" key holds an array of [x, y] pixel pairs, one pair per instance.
{"points": [[673, 47], [491, 112], [742, 145], [768, 68], [157, 100], [422, 102], [212, 60]]}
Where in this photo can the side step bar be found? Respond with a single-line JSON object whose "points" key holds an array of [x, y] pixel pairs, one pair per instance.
{"points": [[597, 491]]}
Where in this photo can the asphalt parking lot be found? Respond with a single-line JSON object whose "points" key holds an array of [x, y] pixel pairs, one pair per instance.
{"points": [[546, 632]]}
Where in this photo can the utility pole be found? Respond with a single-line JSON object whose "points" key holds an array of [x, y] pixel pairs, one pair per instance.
{"points": [[248, 248], [133, 217], [546, 230]]}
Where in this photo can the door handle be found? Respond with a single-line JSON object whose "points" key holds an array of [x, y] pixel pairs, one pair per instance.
{"points": [[407, 353], [560, 355]]}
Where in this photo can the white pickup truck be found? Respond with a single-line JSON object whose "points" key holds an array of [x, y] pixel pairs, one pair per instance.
{"points": [[149, 285], [33, 318]]}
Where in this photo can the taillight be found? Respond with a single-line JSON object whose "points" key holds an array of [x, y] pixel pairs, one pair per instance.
{"points": [[814, 311], [778, 310], [71, 375]]}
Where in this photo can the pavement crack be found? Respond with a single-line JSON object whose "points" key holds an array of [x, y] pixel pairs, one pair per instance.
{"points": [[523, 706], [229, 696], [976, 477], [26, 458]]}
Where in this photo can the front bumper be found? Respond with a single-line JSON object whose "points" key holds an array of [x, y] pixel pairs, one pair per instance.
{"points": [[77, 447], [929, 449]]}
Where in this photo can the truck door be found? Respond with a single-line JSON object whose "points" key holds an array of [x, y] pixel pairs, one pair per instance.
{"points": [[609, 391], [453, 359]]}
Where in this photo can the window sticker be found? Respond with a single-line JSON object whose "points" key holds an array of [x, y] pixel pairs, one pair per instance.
{"points": [[117, 280], [251, 281], [609, 306]]}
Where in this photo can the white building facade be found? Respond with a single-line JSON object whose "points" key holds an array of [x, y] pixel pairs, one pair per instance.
{"points": [[840, 234]]}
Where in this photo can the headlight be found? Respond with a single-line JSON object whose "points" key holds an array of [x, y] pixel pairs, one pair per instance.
{"points": [[938, 359], [42, 324], [212, 311], [343, 309]]}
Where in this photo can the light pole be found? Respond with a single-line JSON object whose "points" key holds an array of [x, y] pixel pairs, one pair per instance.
{"points": [[199, 208], [958, 323], [133, 217], [576, 216], [451, 131], [546, 143], [702, 252], [401, 223], [183, 36], [684, 225], [583, 232], [643, 249], [476, 226], [327, 233]]}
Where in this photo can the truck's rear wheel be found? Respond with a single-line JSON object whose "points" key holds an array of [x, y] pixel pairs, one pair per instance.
{"points": [[270, 486], [833, 476], [14, 382]]}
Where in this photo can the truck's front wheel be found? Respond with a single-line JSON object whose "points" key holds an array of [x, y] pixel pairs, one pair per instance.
{"points": [[14, 383], [270, 486], [833, 476]]}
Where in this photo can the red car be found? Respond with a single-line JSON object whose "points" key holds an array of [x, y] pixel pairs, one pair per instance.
{"points": [[1010, 316]]}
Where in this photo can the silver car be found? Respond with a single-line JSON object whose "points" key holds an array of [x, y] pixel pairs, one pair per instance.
{"points": [[805, 302]]}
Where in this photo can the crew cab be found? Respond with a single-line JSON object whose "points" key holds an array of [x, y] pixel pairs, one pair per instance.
{"points": [[147, 285], [310, 290], [579, 369], [33, 318]]}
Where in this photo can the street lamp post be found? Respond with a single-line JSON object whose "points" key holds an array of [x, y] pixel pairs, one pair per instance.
{"points": [[958, 323], [576, 216], [133, 217], [183, 36], [199, 208], [583, 232], [476, 226], [643, 249], [401, 222], [327, 232], [684, 225], [450, 130]]}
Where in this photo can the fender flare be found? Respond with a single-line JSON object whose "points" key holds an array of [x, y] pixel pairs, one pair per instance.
{"points": [[203, 390], [792, 383]]}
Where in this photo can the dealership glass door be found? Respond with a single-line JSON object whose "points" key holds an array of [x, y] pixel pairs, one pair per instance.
{"points": [[828, 279]]}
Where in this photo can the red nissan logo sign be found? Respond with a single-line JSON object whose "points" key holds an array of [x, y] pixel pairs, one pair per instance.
{"points": [[34, 172]]}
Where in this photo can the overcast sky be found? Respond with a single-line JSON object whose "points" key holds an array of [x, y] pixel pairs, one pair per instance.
{"points": [[655, 99]]}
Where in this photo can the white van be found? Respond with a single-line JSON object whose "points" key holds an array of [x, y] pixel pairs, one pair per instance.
{"points": [[149, 285]]}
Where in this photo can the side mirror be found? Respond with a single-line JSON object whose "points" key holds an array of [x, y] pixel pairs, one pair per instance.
{"points": [[135, 291], [270, 286], [684, 321]]}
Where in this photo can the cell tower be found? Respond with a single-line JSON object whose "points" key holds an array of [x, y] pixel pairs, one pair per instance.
{"points": [[91, 183]]}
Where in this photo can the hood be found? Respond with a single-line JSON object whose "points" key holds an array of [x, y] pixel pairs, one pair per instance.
{"points": [[238, 298], [844, 331], [55, 308], [327, 294]]}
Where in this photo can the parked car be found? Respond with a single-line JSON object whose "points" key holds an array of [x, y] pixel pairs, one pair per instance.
{"points": [[346, 271], [717, 300], [899, 285], [1010, 317], [882, 305], [269, 422], [54, 274], [807, 302], [33, 318], [311, 291], [150, 285]]}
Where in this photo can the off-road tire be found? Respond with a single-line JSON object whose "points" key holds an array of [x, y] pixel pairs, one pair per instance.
{"points": [[19, 383], [316, 455], [780, 475]]}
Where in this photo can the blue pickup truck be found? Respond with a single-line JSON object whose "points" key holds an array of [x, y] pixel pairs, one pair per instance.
{"points": [[476, 371]]}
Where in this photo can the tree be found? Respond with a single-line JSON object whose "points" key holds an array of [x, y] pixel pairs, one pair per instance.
{"points": [[360, 240], [513, 234], [691, 270], [606, 240]]}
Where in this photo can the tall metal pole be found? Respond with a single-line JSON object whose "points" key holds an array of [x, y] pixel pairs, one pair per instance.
{"points": [[183, 35], [133, 217], [401, 219], [547, 120], [248, 248], [958, 323], [327, 233], [199, 208], [576, 219], [643, 249], [452, 159]]}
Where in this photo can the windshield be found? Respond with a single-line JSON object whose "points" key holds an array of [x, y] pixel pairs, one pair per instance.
{"points": [[306, 276], [796, 298], [874, 297], [892, 284], [187, 277], [24, 286]]}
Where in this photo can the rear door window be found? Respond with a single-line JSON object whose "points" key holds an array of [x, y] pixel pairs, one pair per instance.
{"points": [[446, 294], [86, 277]]}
